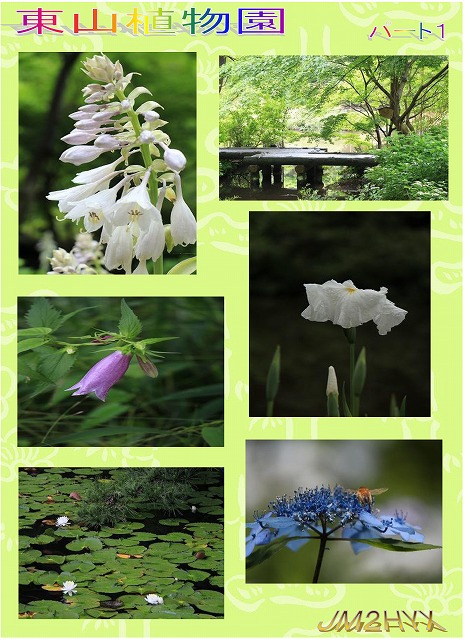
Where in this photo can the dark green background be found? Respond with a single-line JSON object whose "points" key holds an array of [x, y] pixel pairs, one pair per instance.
{"points": [[374, 249]]}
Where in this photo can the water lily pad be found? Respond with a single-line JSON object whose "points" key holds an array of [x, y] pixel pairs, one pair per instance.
{"points": [[29, 556], [24, 542], [211, 601], [175, 536], [46, 577], [78, 565], [173, 522], [26, 577], [51, 559], [44, 539], [93, 544], [107, 586]]}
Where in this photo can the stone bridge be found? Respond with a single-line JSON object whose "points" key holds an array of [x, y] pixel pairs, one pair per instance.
{"points": [[308, 164]]}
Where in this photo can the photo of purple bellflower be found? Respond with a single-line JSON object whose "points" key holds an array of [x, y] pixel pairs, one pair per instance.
{"points": [[103, 375]]}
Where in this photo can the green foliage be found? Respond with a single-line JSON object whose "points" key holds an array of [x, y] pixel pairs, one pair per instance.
{"points": [[183, 406], [412, 167], [131, 491], [129, 325]]}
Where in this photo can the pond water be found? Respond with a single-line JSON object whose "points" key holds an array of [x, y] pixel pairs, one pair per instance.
{"points": [[176, 556]]}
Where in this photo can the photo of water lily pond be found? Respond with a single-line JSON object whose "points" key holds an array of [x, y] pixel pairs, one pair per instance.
{"points": [[103, 153], [346, 298], [339, 511], [120, 372], [121, 543]]}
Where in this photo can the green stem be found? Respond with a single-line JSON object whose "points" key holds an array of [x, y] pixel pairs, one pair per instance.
{"points": [[269, 408], [146, 156], [352, 368]]}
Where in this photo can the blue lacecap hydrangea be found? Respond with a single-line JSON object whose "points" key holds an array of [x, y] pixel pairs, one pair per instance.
{"points": [[301, 517]]}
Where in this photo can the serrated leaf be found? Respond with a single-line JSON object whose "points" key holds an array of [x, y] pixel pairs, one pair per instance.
{"points": [[34, 331], [43, 314], [155, 340], [129, 325], [54, 365], [30, 343]]}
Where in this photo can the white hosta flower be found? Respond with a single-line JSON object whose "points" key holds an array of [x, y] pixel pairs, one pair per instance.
{"points": [[62, 521], [126, 105], [81, 154], [151, 243], [101, 68], [135, 209], [183, 223], [96, 209], [120, 249], [146, 137], [87, 125], [99, 173], [152, 598], [107, 142], [69, 588], [347, 306], [174, 159], [67, 198], [79, 137], [150, 116]]}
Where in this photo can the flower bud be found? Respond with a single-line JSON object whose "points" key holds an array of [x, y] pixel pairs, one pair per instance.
{"points": [[100, 68], [150, 116], [125, 105], [87, 125], [81, 154], [174, 159], [146, 137], [107, 142], [331, 386], [79, 137], [147, 367]]}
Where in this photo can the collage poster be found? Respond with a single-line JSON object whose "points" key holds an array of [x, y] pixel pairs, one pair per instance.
{"points": [[251, 427]]}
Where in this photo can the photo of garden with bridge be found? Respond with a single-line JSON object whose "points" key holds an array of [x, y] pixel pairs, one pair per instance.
{"points": [[333, 127]]}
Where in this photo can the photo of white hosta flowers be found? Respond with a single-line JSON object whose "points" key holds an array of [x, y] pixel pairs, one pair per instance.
{"points": [[340, 313], [108, 166]]}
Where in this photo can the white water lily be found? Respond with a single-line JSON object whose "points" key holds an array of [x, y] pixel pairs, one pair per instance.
{"points": [[62, 521], [345, 305], [183, 224], [152, 598], [69, 588]]}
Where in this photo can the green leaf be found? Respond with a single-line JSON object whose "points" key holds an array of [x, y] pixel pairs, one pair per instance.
{"points": [[35, 331], [213, 436], [43, 314], [155, 340], [391, 544], [30, 343], [93, 544], [263, 553], [184, 268], [129, 325], [54, 365]]}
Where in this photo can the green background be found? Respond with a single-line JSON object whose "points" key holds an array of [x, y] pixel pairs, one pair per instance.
{"points": [[250, 609]]}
